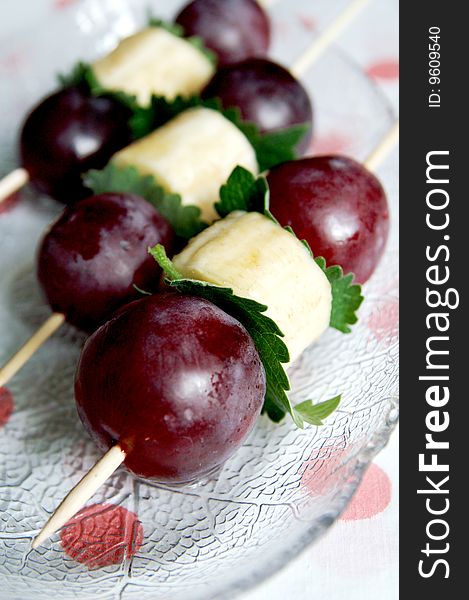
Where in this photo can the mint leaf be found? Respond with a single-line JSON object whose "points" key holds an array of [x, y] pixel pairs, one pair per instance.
{"points": [[185, 220], [160, 110], [346, 296], [82, 75], [77, 76], [115, 179], [278, 146], [178, 31], [159, 254], [168, 26], [264, 332], [271, 148], [314, 414], [243, 191]]}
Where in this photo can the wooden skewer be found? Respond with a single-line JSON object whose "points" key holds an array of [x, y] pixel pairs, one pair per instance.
{"points": [[376, 157], [81, 493], [104, 468], [18, 178], [13, 182], [324, 40], [18, 360]]}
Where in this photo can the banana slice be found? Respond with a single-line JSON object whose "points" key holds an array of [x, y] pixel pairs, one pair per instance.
{"points": [[192, 155], [154, 61], [258, 259]]}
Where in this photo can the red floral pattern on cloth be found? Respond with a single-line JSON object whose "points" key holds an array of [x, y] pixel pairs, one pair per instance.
{"points": [[383, 323], [7, 406], [9, 202], [12, 60], [331, 143], [384, 69], [59, 4], [372, 496], [308, 22], [102, 535]]}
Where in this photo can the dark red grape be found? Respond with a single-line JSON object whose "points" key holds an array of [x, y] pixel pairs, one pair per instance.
{"points": [[175, 381], [67, 134], [266, 94], [233, 29], [94, 254], [337, 206]]}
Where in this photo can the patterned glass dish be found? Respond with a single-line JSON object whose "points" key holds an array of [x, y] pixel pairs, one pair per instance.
{"points": [[285, 487]]}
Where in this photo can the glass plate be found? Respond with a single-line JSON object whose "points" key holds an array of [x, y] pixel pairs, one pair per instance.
{"points": [[284, 487]]}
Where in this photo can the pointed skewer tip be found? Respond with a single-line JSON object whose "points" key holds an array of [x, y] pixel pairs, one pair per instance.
{"points": [[81, 493]]}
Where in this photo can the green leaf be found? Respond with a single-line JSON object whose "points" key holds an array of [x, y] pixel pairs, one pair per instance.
{"points": [[314, 414], [263, 330], [271, 148], [160, 110], [77, 76], [279, 146], [185, 220], [243, 191], [346, 296], [159, 254], [178, 31], [82, 75], [168, 26]]}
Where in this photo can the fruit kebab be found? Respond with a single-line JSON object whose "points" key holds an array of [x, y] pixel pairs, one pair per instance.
{"points": [[174, 154], [139, 409], [184, 223], [98, 100], [98, 109], [275, 108], [82, 125], [174, 383], [263, 125], [185, 156]]}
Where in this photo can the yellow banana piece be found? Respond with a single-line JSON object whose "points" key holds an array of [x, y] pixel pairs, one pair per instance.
{"points": [[260, 260], [192, 155], [154, 61]]}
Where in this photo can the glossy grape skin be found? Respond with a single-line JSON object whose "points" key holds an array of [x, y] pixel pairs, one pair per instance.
{"points": [[266, 94], [175, 381], [233, 29], [96, 251], [337, 206], [67, 134]]}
